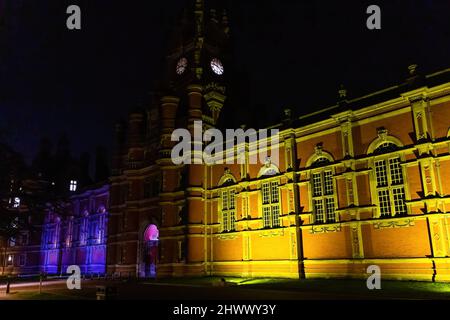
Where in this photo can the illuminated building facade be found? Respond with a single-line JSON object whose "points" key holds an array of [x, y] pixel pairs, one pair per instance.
{"points": [[75, 232], [360, 183], [61, 214]]}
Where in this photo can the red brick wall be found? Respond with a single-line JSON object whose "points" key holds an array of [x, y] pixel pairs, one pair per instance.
{"points": [[330, 245], [366, 133], [440, 115], [363, 189], [445, 176], [396, 242], [331, 143], [228, 250], [414, 181]]}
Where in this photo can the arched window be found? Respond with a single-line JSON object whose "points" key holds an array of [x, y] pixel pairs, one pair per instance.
{"points": [[320, 161], [228, 210], [319, 158], [268, 169], [227, 178], [384, 143], [270, 204], [389, 181], [323, 193], [151, 233], [385, 147]]}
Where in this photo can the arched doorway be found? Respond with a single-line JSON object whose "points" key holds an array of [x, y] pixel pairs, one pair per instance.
{"points": [[150, 250]]}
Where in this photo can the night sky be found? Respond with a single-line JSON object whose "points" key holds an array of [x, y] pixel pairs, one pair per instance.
{"points": [[292, 53]]}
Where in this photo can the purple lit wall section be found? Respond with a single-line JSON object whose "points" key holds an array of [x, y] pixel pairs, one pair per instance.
{"points": [[77, 237]]}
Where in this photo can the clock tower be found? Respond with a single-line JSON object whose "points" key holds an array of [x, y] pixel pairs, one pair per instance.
{"points": [[197, 63], [158, 208], [194, 89]]}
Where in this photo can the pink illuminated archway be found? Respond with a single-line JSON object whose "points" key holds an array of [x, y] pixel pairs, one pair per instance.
{"points": [[151, 233]]}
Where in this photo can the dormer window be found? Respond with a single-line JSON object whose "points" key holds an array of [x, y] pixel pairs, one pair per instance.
{"points": [[73, 185], [16, 203]]}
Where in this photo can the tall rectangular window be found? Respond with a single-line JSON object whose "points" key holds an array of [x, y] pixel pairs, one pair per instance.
{"points": [[396, 171], [329, 204], [399, 200], [380, 169], [317, 185], [228, 210], [390, 187], [271, 204], [266, 216], [323, 196], [328, 183], [385, 205], [266, 193]]}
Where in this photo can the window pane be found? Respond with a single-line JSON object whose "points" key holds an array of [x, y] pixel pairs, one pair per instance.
{"points": [[265, 193], [266, 216], [396, 171], [225, 221], [275, 216], [385, 204], [380, 171], [329, 202], [399, 200], [318, 207], [275, 192], [232, 221], [328, 177], [232, 198], [224, 200], [317, 185]]}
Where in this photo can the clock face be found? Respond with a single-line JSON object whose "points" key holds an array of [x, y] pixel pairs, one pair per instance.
{"points": [[217, 66], [181, 65]]}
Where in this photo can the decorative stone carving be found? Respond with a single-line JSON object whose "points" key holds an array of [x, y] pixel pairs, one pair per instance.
{"points": [[394, 224], [318, 149], [271, 233], [227, 236], [325, 229], [382, 133]]}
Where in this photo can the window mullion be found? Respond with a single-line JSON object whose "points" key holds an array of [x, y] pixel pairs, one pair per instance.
{"points": [[392, 202], [389, 186], [322, 183], [324, 202], [388, 172], [270, 204], [270, 193]]}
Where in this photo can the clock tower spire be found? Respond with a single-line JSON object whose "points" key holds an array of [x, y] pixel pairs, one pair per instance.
{"points": [[199, 36]]}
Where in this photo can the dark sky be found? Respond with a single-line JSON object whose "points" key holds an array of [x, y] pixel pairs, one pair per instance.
{"points": [[295, 53]]}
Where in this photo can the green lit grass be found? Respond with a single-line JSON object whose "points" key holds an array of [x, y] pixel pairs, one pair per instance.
{"points": [[350, 287], [40, 296], [313, 288]]}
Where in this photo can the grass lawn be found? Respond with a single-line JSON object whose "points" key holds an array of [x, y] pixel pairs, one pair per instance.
{"points": [[341, 289], [41, 296], [405, 289]]}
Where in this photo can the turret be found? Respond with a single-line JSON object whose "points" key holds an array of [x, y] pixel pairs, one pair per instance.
{"points": [[136, 131]]}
